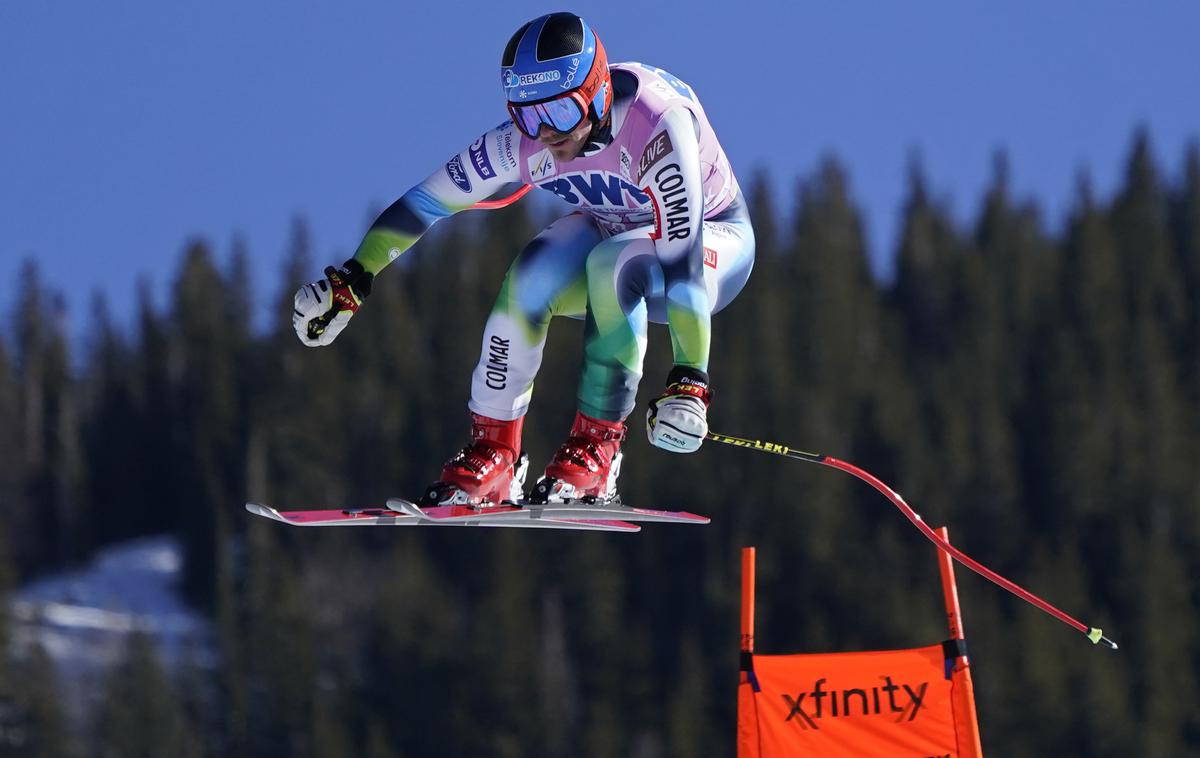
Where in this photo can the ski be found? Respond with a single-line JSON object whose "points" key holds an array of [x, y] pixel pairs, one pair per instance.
{"points": [[391, 517], [524, 512]]}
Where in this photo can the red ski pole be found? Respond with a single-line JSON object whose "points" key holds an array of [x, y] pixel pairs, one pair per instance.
{"points": [[487, 205], [1095, 634]]}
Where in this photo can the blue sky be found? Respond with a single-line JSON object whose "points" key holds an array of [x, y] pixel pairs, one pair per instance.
{"points": [[129, 126]]}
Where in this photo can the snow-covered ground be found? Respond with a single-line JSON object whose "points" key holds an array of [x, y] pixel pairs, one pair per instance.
{"points": [[83, 618]]}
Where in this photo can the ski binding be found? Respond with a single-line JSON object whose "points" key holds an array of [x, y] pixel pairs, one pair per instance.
{"points": [[527, 513]]}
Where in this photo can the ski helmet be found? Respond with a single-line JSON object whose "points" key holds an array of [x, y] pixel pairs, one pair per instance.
{"points": [[555, 72]]}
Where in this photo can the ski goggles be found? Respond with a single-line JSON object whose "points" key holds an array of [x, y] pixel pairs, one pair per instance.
{"points": [[562, 114]]}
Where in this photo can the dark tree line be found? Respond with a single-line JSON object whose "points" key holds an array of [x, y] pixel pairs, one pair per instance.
{"points": [[1037, 390]]}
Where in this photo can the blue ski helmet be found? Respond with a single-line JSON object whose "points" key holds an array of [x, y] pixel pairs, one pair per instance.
{"points": [[555, 62]]}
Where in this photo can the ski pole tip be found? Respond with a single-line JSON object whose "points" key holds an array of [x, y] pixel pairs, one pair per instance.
{"points": [[1096, 635]]}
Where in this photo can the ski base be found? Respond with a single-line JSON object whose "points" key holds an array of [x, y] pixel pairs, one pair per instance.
{"points": [[524, 512], [575, 515], [388, 517]]}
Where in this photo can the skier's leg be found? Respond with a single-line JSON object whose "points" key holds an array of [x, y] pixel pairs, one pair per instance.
{"points": [[677, 420], [547, 279], [621, 272], [588, 462], [626, 290]]}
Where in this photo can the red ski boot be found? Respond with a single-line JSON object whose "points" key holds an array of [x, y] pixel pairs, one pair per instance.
{"points": [[488, 471], [586, 466]]}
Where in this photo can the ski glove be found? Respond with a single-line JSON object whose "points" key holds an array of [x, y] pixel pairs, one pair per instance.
{"points": [[678, 419], [322, 309]]}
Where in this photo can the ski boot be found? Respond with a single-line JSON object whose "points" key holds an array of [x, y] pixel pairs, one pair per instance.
{"points": [[586, 466], [488, 471]]}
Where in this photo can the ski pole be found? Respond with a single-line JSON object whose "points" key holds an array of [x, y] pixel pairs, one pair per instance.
{"points": [[504, 202], [1095, 634]]}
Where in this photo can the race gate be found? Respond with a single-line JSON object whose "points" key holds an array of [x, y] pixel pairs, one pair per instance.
{"points": [[915, 703]]}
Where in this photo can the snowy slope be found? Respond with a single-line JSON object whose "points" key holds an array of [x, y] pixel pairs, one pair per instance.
{"points": [[83, 618]]}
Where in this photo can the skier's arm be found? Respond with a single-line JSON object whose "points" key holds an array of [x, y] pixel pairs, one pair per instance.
{"points": [[470, 176], [322, 309], [670, 171]]}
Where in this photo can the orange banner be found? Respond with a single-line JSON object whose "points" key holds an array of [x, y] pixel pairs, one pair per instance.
{"points": [[895, 703]]}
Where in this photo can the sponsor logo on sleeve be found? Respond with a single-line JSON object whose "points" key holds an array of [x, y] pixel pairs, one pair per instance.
{"points": [[626, 163], [710, 257], [479, 159], [661, 88], [454, 170], [659, 145], [541, 164], [669, 82], [506, 146], [721, 229], [670, 204]]}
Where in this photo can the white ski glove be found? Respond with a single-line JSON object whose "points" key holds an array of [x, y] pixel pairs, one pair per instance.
{"points": [[322, 309], [678, 419]]}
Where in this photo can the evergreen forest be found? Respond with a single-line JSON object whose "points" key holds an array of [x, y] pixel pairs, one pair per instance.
{"points": [[1031, 384]]}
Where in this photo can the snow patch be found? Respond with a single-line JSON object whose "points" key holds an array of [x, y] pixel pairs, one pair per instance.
{"points": [[83, 618]]}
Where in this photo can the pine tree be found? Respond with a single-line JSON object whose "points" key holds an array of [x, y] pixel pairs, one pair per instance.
{"points": [[1003, 294], [203, 369], [929, 300], [509, 610], [378, 744], [689, 732], [141, 715], [8, 683], [53, 462], [417, 630], [1155, 284], [834, 298], [928, 259], [1080, 366], [602, 630], [1160, 459], [330, 736], [301, 378], [1186, 226], [239, 302], [558, 687], [153, 501], [11, 452], [111, 430], [1169, 635], [279, 652], [39, 727]]}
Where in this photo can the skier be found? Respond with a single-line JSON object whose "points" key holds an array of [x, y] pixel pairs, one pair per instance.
{"points": [[661, 234]]}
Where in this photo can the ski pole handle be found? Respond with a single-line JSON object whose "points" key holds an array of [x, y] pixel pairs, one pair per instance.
{"points": [[317, 326]]}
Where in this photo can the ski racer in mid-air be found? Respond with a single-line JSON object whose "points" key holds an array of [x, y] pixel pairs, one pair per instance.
{"points": [[662, 234]]}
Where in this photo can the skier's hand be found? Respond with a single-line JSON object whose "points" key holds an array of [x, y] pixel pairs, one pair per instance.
{"points": [[322, 309], [678, 419]]}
